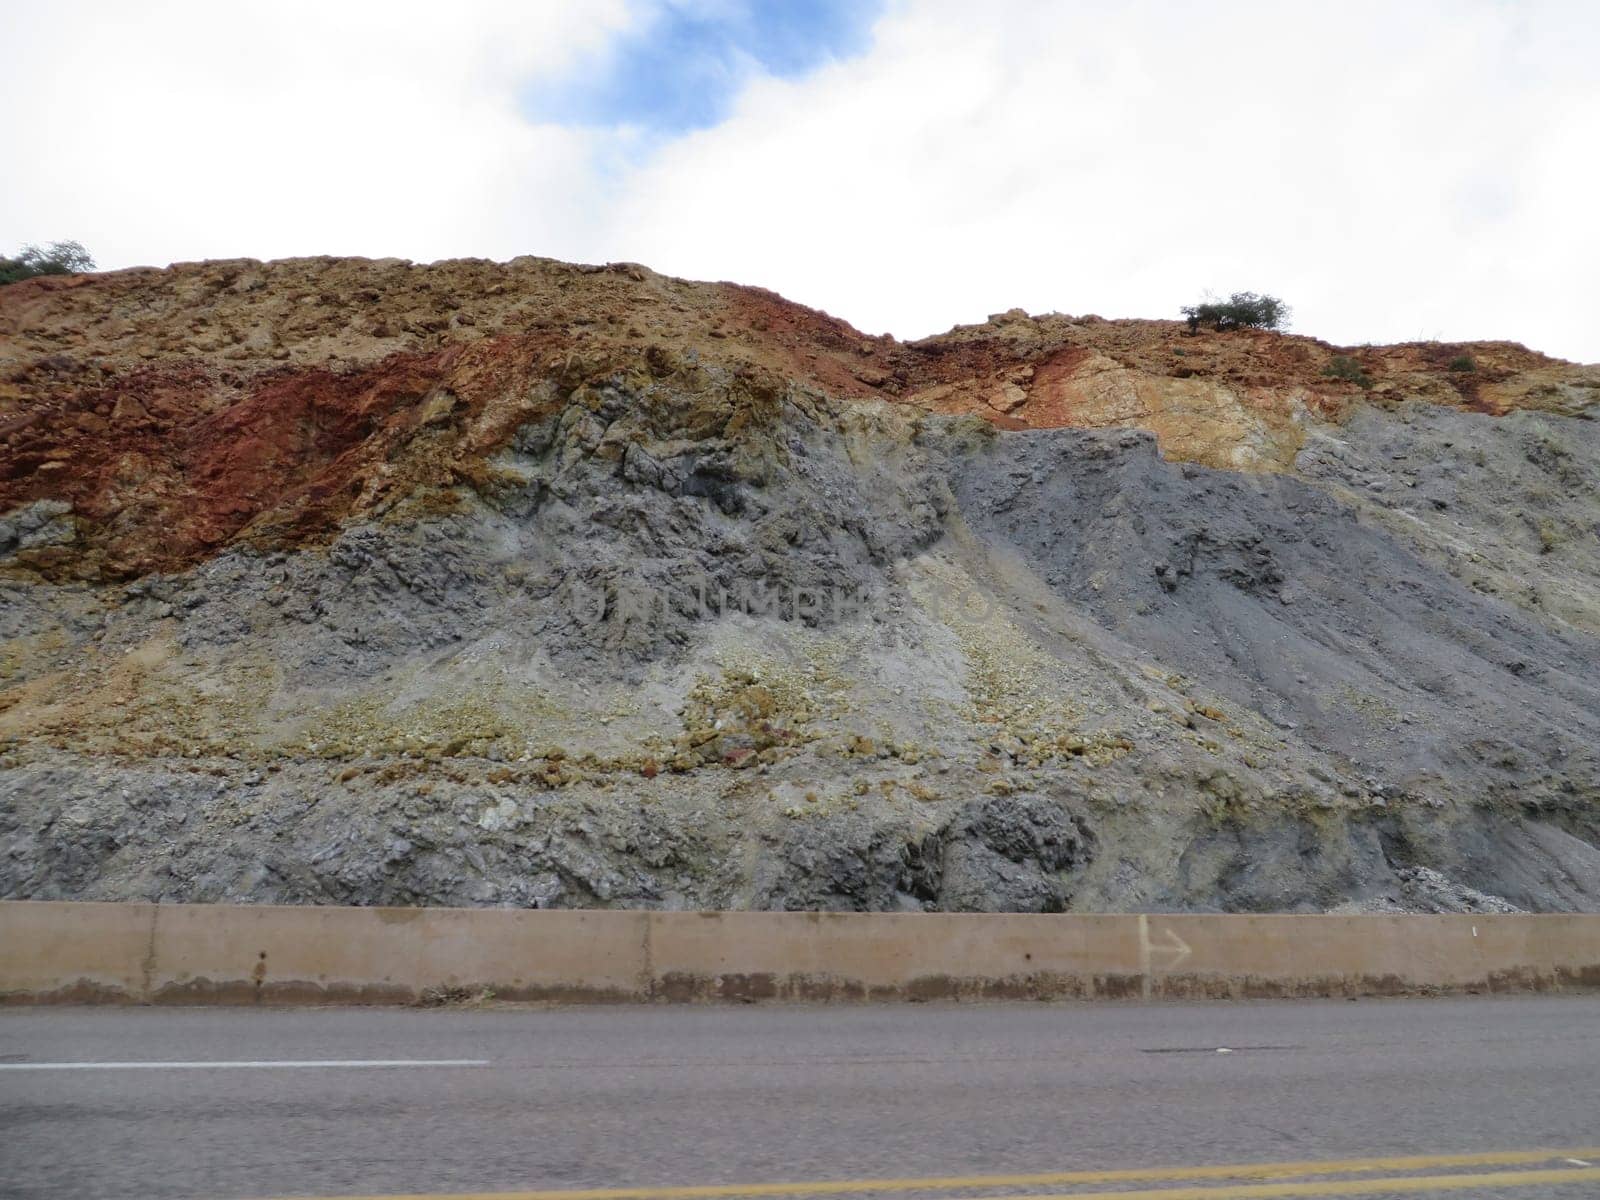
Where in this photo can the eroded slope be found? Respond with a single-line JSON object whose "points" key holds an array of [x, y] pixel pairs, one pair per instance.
{"points": [[536, 584]]}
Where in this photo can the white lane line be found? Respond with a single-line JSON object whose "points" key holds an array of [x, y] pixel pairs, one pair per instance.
{"points": [[267, 1065]]}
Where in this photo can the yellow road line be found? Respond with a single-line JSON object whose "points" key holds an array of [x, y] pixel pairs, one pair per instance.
{"points": [[1279, 1170], [1346, 1187]]}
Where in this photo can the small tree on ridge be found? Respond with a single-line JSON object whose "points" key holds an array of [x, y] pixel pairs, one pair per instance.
{"points": [[1242, 310], [59, 258]]}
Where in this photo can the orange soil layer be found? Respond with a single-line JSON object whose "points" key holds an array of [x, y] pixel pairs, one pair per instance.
{"points": [[180, 410]]}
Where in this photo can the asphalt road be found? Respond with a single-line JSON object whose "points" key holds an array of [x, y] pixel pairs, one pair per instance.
{"points": [[517, 1100]]}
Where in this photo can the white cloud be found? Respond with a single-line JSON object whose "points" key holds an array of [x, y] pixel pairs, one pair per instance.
{"points": [[184, 130], [1393, 171]]}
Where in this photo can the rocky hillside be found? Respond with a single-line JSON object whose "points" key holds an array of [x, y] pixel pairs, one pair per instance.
{"points": [[332, 580]]}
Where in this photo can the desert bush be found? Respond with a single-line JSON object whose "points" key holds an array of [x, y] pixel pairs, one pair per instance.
{"points": [[1343, 367], [59, 258], [1239, 311], [1463, 363]]}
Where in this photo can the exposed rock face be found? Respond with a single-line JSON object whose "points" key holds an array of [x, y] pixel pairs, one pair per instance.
{"points": [[532, 584]]}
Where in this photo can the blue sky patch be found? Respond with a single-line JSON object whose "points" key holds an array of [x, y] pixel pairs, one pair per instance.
{"points": [[683, 67]]}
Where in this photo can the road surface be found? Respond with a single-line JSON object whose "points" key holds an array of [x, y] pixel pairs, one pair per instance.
{"points": [[1083, 1099]]}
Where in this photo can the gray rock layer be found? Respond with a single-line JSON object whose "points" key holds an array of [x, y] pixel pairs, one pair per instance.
{"points": [[847, 658]]}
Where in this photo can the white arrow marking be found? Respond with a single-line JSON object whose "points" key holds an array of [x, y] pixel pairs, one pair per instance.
{"points": [[1175, 946]]}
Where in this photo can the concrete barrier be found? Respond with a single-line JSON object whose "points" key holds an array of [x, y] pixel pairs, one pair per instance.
{"points": [[209, 954]]}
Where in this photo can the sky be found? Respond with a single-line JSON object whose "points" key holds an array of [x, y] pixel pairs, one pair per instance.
{"points": [[1393, 171]]}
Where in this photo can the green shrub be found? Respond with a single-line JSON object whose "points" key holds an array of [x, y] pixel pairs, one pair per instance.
{"points": [[1342, 366], [1463, 363], [1240, 310], [1549, 536], [59, 258]]}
